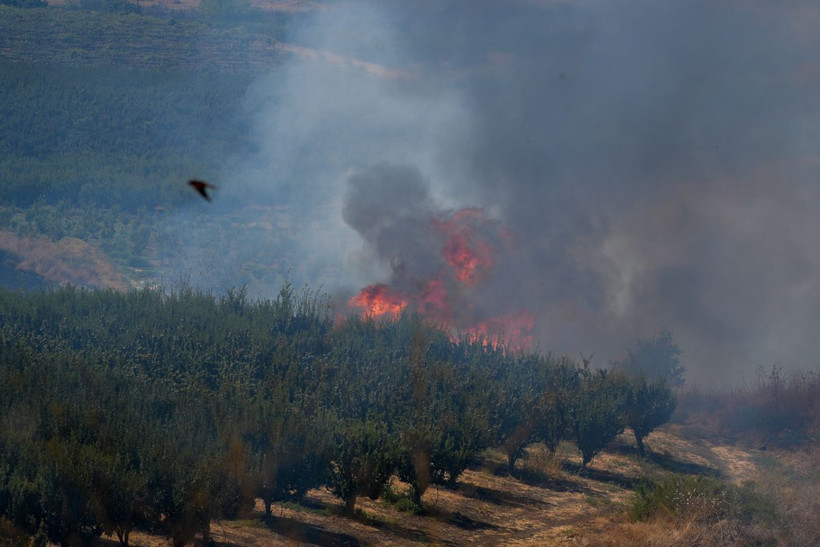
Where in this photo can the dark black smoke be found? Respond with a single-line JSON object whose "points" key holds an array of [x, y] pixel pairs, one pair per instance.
{"points": [[656, 161], [390, 207]]}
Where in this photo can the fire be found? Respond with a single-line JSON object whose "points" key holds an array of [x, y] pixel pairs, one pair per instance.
{"points": [[467, 258], [468, 241], [378, 300], [512, 329], [432, 301], [464, 250]]}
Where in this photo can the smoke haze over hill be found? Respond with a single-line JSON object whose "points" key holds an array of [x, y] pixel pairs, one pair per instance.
{"points": [[655, 162]]}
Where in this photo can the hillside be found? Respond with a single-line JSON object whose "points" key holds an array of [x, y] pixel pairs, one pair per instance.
{"points": [[92, 38], [154, 395], [107, 115]]}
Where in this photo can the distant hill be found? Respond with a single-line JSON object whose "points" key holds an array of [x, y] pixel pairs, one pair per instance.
{"points": [[86, 37], [106, 115]]}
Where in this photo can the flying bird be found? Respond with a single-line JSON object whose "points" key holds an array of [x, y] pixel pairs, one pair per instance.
{"points": [[202, 188]]}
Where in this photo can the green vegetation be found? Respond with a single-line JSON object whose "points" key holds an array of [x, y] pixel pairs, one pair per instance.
{"points": [[112, 138], [657, 358], [164, 411], [717, 512], [169, 410], [24, 3], [108, 111], [102, 154], [650, 404], [705, 499], [599, 411], [777, 421]]}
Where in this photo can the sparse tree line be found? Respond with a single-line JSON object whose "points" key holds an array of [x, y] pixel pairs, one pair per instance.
{"points": [[165, 411]]}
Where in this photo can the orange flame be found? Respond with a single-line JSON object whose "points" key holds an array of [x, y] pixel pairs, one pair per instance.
{"points": [[470, 239], [512, 329], [468, 258], [378, 300], [468, 255], [433, 303]]}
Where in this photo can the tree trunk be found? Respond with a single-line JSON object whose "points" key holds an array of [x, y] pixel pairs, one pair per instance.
{"points": [[350, 505], [122, 535], [512, 457], [415, 494], [586, 459], [206, 535], [639, 442]]}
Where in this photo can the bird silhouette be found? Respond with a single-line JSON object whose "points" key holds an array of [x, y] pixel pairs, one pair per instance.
{"points": [[202, 188]]}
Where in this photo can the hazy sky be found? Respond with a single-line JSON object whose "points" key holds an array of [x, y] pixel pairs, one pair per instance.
{"points": [[655, 161]]}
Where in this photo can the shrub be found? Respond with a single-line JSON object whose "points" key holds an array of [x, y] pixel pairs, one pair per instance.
{"points": [[703, 500], [402, 501], [651, 404]]}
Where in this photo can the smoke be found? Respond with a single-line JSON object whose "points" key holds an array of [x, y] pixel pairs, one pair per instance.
{"points": [[654, 163], [390, 207]]}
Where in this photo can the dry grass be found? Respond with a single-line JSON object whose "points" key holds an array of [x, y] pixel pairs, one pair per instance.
{"points": [[792, 480], [780, 411], [69, 260]]}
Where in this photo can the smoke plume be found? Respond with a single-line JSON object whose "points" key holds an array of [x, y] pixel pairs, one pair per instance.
{"points": [[635, 166]]}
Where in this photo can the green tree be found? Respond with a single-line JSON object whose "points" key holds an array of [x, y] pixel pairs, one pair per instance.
{"points": [[25, 3], [414, 465], [554, 405], [598, 413], [657, 357], [512, 416], [363, 461], [292, 456], [459, 445], [650, 404]]}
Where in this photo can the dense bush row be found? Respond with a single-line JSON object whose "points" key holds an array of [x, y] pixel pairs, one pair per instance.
{"points": [[167, 410]]}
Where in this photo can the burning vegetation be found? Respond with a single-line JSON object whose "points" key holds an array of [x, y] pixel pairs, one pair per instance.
{"points": [[443, 263]]}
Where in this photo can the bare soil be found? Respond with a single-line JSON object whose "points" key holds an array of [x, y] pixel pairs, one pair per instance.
{"points": [[69, 260]]}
